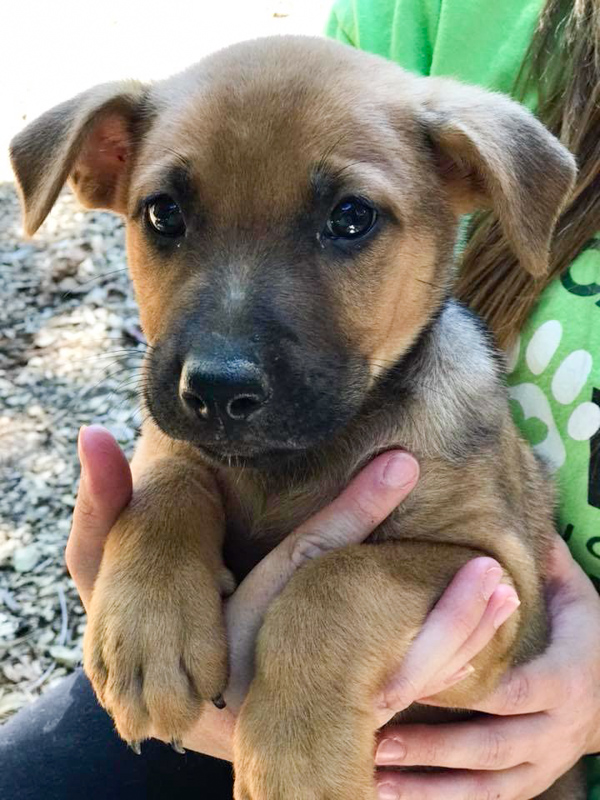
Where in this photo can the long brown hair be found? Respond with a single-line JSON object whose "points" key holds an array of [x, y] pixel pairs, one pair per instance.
{"points": [[561, 68]]}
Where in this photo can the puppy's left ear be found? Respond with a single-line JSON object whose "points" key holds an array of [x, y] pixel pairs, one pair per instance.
{"points": [[493, 153], [91, 140]]}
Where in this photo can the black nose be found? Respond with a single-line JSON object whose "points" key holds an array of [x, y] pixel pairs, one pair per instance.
{"points": [[230, 390]]}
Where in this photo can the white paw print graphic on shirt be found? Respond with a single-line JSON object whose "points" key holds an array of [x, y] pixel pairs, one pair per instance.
{"points": [[568, 381]]}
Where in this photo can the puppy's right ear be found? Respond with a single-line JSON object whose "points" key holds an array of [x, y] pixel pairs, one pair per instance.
{"points": [[90, 139]]}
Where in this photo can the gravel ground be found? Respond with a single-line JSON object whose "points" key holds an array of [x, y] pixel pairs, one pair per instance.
{"points": [[69, 355]]}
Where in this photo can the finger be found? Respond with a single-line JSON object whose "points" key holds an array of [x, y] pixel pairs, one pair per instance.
{"points": [[104, 491], [549, 681], [546, 683], [360, 508], [369, 498], [447, 628], [502, 604], [484, 744], [458, 785], [528, 689]]}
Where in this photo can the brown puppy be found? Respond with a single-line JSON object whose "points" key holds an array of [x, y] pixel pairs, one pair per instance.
{"points": [[291, 209]]}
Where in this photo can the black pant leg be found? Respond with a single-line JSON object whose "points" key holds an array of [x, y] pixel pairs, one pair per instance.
{"points": [[64, 747]]}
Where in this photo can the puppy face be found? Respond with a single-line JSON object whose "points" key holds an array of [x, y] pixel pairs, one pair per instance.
{"points": [[291, 208], [304, 244]]}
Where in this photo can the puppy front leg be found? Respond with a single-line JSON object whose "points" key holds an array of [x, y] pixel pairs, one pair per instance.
{"points": [[327, 647], [154, 648]]}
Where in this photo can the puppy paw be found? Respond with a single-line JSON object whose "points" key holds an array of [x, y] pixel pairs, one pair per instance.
{"points": [[288, 778], [284, 754], [155, 653]]}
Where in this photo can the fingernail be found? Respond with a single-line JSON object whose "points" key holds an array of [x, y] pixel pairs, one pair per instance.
{"points": [[390, 751], [491, 579], [506, 610], [80, 450], [399, 471], [459, 676], [386, 791]]}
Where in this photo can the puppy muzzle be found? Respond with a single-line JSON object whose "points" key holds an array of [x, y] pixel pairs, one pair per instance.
{"points": [[223, 393]]}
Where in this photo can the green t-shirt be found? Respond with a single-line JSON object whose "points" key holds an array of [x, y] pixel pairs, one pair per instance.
{"points": [[554, 369]]}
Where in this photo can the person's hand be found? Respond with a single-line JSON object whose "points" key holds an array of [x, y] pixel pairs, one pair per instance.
{"points": [[463, 620], [105, 490], [546, 712]]}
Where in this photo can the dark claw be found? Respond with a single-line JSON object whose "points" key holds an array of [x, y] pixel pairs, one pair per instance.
{"points": [[177, 746], [136, 747], [219, 701]]}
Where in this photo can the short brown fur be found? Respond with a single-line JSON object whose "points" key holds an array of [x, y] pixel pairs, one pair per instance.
{"points": [[250, 124]]}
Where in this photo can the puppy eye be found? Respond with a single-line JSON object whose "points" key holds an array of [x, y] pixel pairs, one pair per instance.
{"points": [[350, 219], [164, 215]]}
